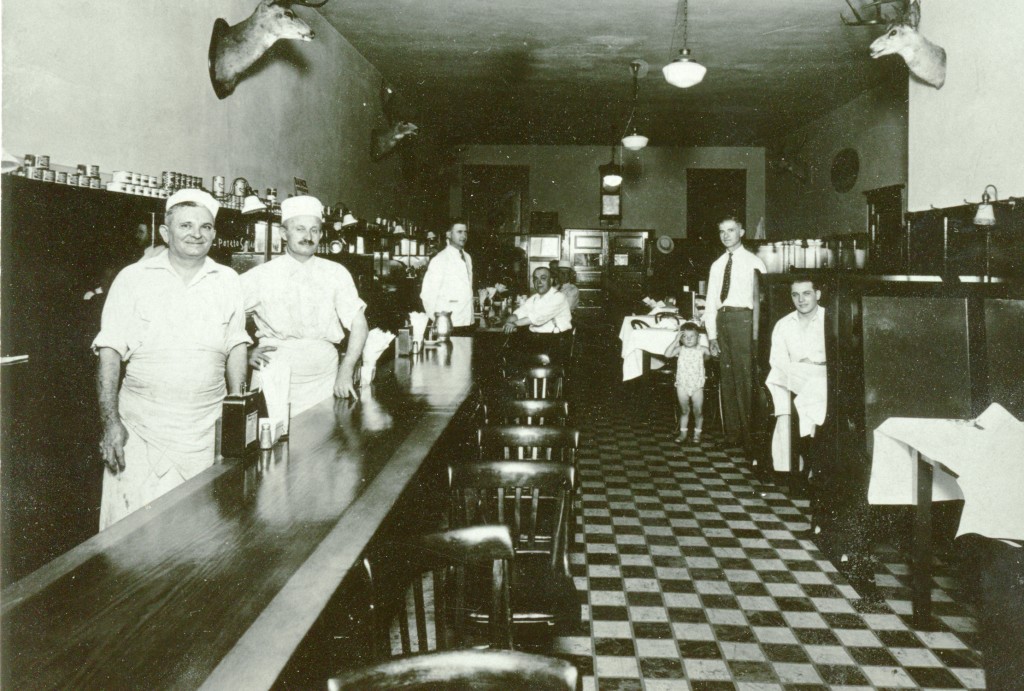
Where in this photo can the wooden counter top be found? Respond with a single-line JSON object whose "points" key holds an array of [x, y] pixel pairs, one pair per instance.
{"points": [[215, 584]]}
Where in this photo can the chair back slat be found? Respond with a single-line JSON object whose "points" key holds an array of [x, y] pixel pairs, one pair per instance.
{"points": [[403, 629], [534, 515], [421, 615], [518, 529]]}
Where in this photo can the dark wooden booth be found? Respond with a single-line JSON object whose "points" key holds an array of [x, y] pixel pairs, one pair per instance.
{"points": [[905, 346]]}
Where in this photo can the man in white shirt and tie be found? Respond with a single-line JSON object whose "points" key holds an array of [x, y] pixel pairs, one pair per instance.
{"points": [[448, 283], [729, 320]]}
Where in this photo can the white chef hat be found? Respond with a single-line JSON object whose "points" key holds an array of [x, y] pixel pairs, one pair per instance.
{"points": [[196, 197], [304, 205]]}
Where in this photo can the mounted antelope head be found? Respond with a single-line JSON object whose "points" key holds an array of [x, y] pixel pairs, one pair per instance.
{"points": [[384, 140], [234, 49], [926, 61]]}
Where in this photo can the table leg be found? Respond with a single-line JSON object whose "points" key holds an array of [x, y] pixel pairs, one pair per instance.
{"points": [[921, 567]]}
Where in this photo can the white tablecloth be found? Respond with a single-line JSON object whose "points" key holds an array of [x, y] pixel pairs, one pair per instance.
{"points": [[986, 454], [808, 385], [658, 340]]}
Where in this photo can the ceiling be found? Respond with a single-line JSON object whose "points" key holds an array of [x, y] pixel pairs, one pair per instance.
{"points": [[557, 71]]}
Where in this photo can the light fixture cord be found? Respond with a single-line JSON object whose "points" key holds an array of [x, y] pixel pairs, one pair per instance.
{"points": [[675, 30], [636, 95], [686, 21]]}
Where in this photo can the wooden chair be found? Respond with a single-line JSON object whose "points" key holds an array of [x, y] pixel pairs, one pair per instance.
{"points": [[638, 324], [668, 317], [429, 574], [528, 443], [529, 411], [536, 382], [535, 501], [480, 670]]}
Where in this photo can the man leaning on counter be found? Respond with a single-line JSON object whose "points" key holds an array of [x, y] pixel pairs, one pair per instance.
{"points": [[176, 320], [302, 305]]}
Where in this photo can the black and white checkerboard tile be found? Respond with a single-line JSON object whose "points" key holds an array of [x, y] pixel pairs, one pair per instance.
{"points": [[693, 578]]}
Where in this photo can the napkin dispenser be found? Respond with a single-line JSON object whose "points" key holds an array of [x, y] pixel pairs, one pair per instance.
{"points": [[239, 423], [403, 341]]}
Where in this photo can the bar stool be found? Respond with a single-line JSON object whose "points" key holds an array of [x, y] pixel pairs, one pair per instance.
{"points": [[481, 670], [535, 501], [429, 574]]}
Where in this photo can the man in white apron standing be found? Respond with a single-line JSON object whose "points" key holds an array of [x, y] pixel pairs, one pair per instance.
{"points": [[448, 283], [302, 304], [176, 319]]}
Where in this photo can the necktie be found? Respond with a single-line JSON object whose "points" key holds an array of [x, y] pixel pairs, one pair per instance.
{"points": [[463, 255], [726, 280]]}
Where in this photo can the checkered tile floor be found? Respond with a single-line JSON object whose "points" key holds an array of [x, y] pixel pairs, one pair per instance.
{"points": [[693, 578]]}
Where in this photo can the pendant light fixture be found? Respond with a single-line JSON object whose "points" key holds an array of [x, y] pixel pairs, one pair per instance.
{"points": [[684, 71], [633, 140]]}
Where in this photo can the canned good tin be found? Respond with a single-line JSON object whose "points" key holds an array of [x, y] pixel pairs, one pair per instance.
{"points": [[271, 194], [83, 169], [218, 185], [73, 179], [62, 178], [83, 180], [43, 160], [166, 178], [34, 172], [94, 183], [49, 175], [241, 186], [29, 160], [136, 178], [94, 171]]}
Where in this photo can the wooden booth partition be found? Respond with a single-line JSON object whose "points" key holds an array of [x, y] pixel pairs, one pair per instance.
{"points": [[907, 346]]}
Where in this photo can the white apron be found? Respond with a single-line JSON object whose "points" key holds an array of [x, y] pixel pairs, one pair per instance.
{"points": [[314, 366], [169, 402]]}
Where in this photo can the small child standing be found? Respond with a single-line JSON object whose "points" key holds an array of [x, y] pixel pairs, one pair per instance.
{"points": [[690, 381]]}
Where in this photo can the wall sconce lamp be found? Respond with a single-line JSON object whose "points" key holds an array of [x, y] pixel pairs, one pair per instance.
{"points": [[684, 71]]}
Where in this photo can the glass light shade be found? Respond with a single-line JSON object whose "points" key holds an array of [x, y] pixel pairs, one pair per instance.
{"points": [[252, 204], [611, 179], [684, 72], [634, 142], [349, 220], [986, 215]]}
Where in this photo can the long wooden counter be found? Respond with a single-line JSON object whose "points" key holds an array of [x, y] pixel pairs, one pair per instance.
{"points": [[215, 584]]}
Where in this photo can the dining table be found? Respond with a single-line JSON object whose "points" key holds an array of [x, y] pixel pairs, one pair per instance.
{"points": [[218, 583], [651, 346], [917, 461]]}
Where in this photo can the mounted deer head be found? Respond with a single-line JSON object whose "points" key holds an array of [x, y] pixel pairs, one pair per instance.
{"points": [[926, 61], [234, 49], [384, 140]]}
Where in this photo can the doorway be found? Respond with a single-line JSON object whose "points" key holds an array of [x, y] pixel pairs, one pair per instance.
{"points": [[711, 195]]}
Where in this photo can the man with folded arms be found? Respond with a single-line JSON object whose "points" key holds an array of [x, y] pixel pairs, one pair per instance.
{"points": [[177, 322], [302, 305]]}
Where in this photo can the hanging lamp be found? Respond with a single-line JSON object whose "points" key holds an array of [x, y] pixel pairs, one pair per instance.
{"points": [[633, 140], [684, 71]]}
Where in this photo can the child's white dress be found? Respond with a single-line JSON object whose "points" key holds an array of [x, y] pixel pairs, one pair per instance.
{"points": [[690, 370]]}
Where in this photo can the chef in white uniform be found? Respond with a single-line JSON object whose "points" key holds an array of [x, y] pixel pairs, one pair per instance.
{"points": [[176, 321], [302, 305], [448, 283]]}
